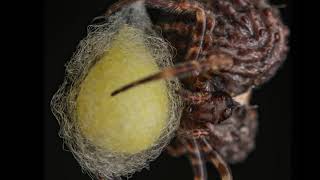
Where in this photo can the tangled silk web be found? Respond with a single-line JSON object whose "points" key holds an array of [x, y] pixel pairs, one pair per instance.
{"points": [[98, 162]]}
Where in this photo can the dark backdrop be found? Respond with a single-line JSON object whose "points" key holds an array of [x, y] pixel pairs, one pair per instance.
{"points": [[65, 25]]}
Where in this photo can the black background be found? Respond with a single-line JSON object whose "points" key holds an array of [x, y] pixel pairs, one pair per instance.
{"points": [[65, 25]]}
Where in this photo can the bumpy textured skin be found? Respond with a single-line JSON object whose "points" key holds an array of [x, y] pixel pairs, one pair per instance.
{"points": [[251, 32], [228, 47]]}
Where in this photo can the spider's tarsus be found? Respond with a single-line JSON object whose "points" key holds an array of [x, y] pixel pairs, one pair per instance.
{"points": [[136, 83], [114, 93]]}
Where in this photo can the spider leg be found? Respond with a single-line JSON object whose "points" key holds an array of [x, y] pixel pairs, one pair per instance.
{"points": [[201, 32], [203, 26], [194, 98], [180, 28], [214, 63], [196, 159], [164, 74], [178, 34], [216, 159]]}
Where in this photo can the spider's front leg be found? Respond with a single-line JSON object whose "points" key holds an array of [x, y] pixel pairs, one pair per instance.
{"points": [[204, 20], [199, 151], [214, 63]]}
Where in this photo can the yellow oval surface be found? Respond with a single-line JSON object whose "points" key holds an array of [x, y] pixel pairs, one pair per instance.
{"points": [[131, 121]]}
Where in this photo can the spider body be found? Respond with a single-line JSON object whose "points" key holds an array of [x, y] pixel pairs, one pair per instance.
{"points": [[224, 49]]}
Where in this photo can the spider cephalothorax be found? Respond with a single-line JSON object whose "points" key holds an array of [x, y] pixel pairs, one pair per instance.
{"points": [[224, 49]]}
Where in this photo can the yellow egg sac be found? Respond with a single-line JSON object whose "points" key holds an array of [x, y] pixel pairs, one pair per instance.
{"points": [[132, 121]]}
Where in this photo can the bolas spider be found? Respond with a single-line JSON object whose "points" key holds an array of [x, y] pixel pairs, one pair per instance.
{"points": [[224, 49]]}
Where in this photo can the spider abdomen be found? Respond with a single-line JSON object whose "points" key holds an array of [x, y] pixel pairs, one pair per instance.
{"points": [[251, 32], [241, 128]]}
